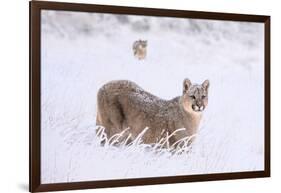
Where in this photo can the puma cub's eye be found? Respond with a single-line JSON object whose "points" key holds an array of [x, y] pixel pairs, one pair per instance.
{"points": [[193, 97], [203, 96]]}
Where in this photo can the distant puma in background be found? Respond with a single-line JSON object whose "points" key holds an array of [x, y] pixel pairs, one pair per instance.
{"points": [[140, 49], [123, 104]]}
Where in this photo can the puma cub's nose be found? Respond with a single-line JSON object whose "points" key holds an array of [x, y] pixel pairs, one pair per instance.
{"points": [[198, 108]]}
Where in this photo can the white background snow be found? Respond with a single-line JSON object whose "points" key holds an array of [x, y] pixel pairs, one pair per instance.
{"points": [[82, 51]]}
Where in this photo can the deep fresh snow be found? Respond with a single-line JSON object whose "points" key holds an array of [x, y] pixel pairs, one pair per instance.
{"points": [[82, 51]]}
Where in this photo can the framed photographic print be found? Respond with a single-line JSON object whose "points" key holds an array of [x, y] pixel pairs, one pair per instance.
{"points": [[123, 96]]}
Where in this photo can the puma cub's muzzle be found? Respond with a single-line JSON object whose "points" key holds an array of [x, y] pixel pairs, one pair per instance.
{"points": [[197, 108]]}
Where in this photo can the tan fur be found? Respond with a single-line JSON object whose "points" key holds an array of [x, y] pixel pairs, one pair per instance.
{"points": [[123, 104], [140, 49]]}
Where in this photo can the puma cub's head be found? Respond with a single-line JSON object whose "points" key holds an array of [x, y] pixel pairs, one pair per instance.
{"points": [[195, 96], [142, 43]]}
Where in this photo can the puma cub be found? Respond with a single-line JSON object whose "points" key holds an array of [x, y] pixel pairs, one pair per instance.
{"points": [[123, 104], [140, 49]]}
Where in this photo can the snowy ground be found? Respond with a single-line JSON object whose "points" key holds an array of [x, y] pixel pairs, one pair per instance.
{"points": [[82, 51]]}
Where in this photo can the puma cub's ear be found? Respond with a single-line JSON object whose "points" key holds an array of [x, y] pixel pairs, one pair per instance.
{"points": [[186, 85], [145, 42], [206, 84]]}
